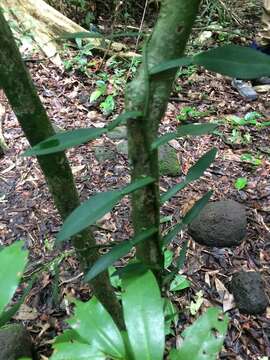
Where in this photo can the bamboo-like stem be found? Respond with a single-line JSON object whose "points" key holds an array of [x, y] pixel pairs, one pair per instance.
{"points": [[25, 102], [150, 95]]}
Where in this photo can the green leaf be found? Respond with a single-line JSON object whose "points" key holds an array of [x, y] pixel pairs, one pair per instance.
{"points": [[197, 208], [172, 234], [180, 282], [204, 339], [64, 140], [122, 118], [6, 315], [188, 218], [13, 260], [94, 324], [96, 35], [94, 208], [241, 183], [81, 35], [76, 351], [144, 318], [235, 61], [137, 184], [184, 130], [182, 256], [171, 316], [168, 258], [171, 64], [116, 253], [88, 213], [194, 173]]}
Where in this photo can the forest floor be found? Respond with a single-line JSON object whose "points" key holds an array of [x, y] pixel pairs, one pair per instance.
{"points": [[27, 211]]}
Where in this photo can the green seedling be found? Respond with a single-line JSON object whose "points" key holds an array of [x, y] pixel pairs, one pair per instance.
{"points": [[249, 158], [241, 183]]}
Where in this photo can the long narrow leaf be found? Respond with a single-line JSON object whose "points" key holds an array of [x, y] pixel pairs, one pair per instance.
{"points": [[197, 208], [144, 317], [94, 208], [235, 61], [184, 130], [116, 253], [173, 233], [64, 140], [196, 171], [171, 64], [122, 118], [171, 192], [188, 218]]}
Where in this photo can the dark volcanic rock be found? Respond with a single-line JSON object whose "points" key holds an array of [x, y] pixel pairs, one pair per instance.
{"points": [[220, 224], [15, 342], [248, 291]]}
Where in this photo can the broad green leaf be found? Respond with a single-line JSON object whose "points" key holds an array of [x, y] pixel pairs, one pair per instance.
{"points": [[184, 130], [6, 315], [94, 324], [116, 253], [64, 140], [76, 351], [122, 118], [171, 64], [69, 335], [97, 206], [194, 173], [197, 208], [204, 339], [180, 282], [235, 61], [144, 317], [168, 258], [13, 260]]}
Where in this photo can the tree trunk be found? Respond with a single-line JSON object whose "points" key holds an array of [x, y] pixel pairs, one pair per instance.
{"points": [[151, 95], [24, 100], [46, 24]]}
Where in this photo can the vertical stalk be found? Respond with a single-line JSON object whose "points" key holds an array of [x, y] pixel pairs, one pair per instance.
{"points": [[25, 102], [150, 95]]}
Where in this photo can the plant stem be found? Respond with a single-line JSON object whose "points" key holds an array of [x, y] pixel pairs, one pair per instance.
{"points": [[25, 102], [151, 96]]}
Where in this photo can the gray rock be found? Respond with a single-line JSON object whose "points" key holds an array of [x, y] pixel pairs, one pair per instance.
{"points": [[15, 342], [122, 147], [248, 292], [118, 133], [168, 161], [103, 153], [220, 224]]}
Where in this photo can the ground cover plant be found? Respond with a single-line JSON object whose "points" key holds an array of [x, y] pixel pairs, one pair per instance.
{"points": [[118, 194]]}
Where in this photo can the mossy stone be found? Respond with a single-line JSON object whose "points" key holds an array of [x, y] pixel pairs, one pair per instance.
{"points": [[118, 133], [248, 291], [220, 224], [168, 161], [103, 153], [15, 343]]}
